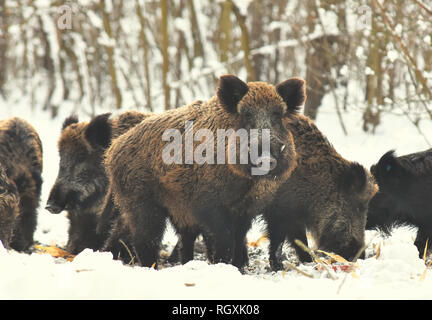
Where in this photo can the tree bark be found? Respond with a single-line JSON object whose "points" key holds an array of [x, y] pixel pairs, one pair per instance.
{"points": [[165, 56], [225, 28], [110, 51], [245, 42], [3, 45], [144, 45]]}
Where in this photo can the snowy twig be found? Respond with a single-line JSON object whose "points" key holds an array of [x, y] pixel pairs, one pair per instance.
{"points": [[420, 131], [422, 5], [290, 265], [406, 53], [314, 256], [292, 43], [362, 249]]}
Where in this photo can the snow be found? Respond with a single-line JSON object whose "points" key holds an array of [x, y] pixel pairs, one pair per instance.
{"points": [[105, 40], [396, 272], [392, 55], [242, 5]]}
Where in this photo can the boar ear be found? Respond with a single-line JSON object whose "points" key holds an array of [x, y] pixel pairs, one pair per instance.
{"points": [[230, 91], [293, 92], [386, 165], [98, 131], [353, 179], [69, 120]]}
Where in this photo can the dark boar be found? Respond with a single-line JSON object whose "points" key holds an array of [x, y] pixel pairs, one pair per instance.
{"points": [[9, 208], [21, 158], [82, 184], [326, 194], [405, 185], [204, 197]]}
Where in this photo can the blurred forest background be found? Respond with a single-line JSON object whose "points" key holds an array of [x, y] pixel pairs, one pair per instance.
{"points": [[374, 56]]}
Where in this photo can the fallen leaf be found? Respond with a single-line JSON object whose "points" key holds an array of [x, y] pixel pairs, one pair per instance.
{"points": [[55, 252], [189, 284]]}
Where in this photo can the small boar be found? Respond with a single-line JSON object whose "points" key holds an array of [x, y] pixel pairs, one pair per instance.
{"points": [[405, 185], [21, 159], [81, 185], [326, 194]]}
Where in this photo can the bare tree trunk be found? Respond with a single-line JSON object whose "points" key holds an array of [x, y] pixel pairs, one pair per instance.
{"points": [[225, 28], [144, 45], [182, 53], [313, 64], [48, 65], [198, 47], [165, 56], [24, 60], [245, 42], [257, 14], [110, 51], [321, 60], [276, 37], [3, 45], [62, 64], [73, 59]]}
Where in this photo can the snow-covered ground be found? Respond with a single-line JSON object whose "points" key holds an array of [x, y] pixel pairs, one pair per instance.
{"points": [[395, 273]]}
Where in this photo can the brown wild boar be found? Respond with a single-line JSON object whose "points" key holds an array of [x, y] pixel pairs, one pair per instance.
{"points": [[147, 190], [21, 159], [326, 194], [81, 184]]}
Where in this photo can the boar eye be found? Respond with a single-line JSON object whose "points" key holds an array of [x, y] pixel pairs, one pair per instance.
{"points": [[388, 168], [247, 115]]}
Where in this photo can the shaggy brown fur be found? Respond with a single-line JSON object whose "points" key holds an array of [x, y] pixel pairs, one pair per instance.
{"points": [[81, 184], [116, 234], [9, 207], [147, 191], [326, 194], [21, 157]]}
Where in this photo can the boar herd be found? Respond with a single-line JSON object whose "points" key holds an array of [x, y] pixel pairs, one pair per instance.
{"points": [[119, 191]]}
